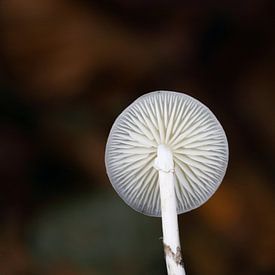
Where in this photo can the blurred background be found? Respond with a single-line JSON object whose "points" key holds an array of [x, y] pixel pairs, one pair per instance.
{"points": [[68, 68]]}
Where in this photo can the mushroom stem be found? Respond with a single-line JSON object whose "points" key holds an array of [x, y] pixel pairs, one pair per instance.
{"points": [[165, 165]]}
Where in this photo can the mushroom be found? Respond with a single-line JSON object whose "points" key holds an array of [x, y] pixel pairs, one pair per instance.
{"points": [[166, 154]]}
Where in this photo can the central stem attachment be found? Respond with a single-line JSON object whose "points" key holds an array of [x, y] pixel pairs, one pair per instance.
{"points": [[165, 165]]}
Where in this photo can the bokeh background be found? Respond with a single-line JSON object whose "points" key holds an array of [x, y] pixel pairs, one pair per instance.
{"points": [[68, 69]]}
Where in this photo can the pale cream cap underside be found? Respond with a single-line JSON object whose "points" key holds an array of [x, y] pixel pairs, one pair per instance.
{"points": [[188, 128]]}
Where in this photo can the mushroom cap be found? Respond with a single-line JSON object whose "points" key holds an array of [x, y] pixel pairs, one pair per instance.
{"points": [[193, 134]]}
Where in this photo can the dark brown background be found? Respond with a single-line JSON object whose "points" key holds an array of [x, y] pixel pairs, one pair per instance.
{"points": [[68, 69]]}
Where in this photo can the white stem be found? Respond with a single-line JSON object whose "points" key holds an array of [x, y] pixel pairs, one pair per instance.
{"points": [[171, 241]]}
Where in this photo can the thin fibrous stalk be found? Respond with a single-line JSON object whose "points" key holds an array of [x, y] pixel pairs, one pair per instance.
{"points": [[171, 241]]}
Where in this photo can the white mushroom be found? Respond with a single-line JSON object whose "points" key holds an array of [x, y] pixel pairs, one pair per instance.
{"points": [[166, 154]]}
